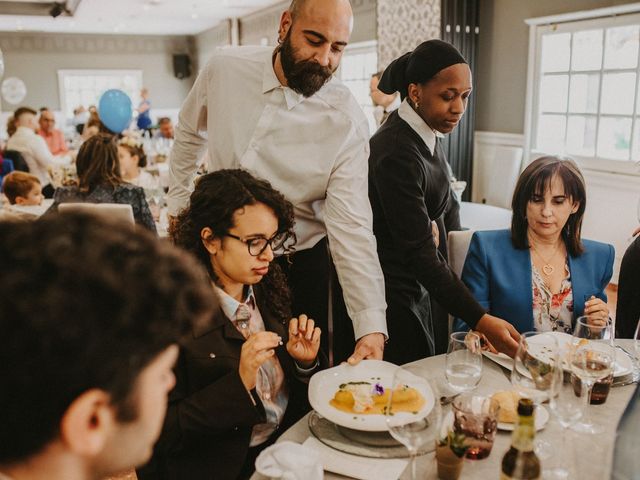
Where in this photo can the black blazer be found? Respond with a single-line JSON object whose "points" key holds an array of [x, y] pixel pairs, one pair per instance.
{"points": [[209, 420]]}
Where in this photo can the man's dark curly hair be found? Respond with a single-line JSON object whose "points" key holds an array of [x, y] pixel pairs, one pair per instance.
{"points": [[84, 304], [217, 196]]}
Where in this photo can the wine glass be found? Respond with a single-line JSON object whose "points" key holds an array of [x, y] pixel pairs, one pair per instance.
{"points": [[592, 359], [532, 375], [566, 407], [463, 362], [414, 425]]}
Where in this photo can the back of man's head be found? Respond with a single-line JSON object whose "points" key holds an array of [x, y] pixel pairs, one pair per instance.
{"points": [[86, 305], [22, 114]]}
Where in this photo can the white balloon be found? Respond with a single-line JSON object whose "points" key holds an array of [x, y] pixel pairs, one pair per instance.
{"points": [[13, 90]]}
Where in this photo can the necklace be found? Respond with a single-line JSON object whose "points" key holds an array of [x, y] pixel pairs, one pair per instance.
{"points": [[547, 268]]}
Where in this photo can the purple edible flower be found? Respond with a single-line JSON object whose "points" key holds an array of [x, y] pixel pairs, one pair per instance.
{"points": [[378, 389]]}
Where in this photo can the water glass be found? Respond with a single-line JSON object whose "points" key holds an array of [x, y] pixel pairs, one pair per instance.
{"points": [[476, 417], [636, 352], [463, 362], [592, 359], [415, 430]]}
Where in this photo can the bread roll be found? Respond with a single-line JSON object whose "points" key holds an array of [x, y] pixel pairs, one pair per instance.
{"points": [[508, 401]]}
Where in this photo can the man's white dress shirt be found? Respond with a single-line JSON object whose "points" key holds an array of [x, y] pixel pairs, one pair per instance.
{"points": [[35, 151], [314, 150]]}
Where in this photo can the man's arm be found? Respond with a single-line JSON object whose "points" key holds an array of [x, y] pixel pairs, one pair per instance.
{"points": [[189, 145], [41, 153], [348, 220]]}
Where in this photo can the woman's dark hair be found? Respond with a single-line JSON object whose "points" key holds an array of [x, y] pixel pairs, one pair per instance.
{"points": [[534, 181], [136, 150], [418, 66], [97, 163], [215, 199]]}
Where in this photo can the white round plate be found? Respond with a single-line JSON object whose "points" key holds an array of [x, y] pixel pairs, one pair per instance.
{"points": [[324, 384], [623, 365], [542, 417]]}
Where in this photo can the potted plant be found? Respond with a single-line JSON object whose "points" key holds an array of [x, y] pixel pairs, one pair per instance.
{"points": [[450, 453]]}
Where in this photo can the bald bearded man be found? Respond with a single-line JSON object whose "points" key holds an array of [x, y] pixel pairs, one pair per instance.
{"points": [[282, 115]]}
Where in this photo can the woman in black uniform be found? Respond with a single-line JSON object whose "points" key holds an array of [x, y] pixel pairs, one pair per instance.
{"points": [[409, 186]]}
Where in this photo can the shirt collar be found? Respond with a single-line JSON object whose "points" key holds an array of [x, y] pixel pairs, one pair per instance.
{"points": [[415, 121], [26, 130], [393, 106], [270, 81], [230, 305]]}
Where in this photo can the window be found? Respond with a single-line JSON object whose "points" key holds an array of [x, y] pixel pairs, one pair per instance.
{"points": [[583, 91], [84, 87], [359, 62]]}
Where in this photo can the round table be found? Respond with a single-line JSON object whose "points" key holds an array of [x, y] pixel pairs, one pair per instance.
{"points": [[593, 453]]}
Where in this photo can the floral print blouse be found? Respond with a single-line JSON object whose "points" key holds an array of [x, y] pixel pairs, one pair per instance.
{"points": [[552, 312]]}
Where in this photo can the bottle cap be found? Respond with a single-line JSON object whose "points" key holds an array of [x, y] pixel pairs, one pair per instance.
{"points": [[525, 407]]}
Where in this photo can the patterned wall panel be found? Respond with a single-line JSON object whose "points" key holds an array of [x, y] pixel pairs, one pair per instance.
{"points": [[404, 24]]}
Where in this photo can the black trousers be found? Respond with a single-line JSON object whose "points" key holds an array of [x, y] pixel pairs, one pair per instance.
{"points": [[317, 293]]}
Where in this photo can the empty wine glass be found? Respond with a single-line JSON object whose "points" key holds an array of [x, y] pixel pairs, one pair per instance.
{"points": [[415, 425], [532, 375], [567, 409], [592, 359], [463, 362]]}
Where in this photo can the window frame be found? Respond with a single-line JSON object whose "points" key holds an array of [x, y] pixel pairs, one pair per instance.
{"points": [[571, 23], [64, 73]]}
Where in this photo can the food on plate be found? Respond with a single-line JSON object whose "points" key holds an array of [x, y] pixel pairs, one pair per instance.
{"points": [[367, 398], [508, 401]]}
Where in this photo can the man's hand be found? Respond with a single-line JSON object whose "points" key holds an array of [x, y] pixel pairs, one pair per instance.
{"points": [[368, 347], [500, 333], [436, 233]]}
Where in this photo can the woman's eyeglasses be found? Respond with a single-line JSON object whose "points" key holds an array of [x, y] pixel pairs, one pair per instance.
{"points": [[258, 245]]}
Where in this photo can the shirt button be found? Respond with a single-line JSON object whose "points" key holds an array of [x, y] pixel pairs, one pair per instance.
{"points": [[212, 355], [235, 428]]}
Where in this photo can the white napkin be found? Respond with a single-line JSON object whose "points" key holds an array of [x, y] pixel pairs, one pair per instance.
{"points": [[289, 461], [354, 466]]}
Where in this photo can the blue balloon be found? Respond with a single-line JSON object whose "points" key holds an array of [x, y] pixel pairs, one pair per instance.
{"points": [[115, 110]]}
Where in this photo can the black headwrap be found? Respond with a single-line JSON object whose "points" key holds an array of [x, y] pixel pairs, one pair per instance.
{"points": [[418, 66]]}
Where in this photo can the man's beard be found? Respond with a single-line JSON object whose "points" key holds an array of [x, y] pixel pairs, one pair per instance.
{"points": [[306, 76]]}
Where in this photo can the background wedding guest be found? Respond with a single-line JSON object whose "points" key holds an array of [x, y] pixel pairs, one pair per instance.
{"points": [[22, 188], [541, 274], [32, 147], [90, 314], [224, 411], [384, 103], [409, 187], [132, 160], [298, 104], [100, 181], [165, 128], [144, 111], [53, 136], [628, 308]]}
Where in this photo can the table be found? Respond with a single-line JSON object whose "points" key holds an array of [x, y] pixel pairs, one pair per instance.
{"points": [[593, 453]]}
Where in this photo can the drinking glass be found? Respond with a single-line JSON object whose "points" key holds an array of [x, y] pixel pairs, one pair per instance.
{"points": [[592, 359], [476, 417], [567, 409], [532, 375], [463, 362], [416, 429]]}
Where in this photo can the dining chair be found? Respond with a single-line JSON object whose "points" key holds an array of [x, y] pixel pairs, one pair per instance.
{"points": [[116, 211], [458, 245]]}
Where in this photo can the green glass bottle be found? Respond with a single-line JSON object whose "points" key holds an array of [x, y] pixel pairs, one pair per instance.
{"points": [[521, 462]]}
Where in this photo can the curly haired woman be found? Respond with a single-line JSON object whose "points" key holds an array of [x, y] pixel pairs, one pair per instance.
{"points": [[240, 380]]}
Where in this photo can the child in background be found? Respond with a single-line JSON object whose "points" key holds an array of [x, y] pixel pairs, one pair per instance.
{"points": [[132, 157], [22, 188]]}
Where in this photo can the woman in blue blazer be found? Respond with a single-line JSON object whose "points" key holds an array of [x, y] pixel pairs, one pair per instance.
{"points": [[540, 275]]}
